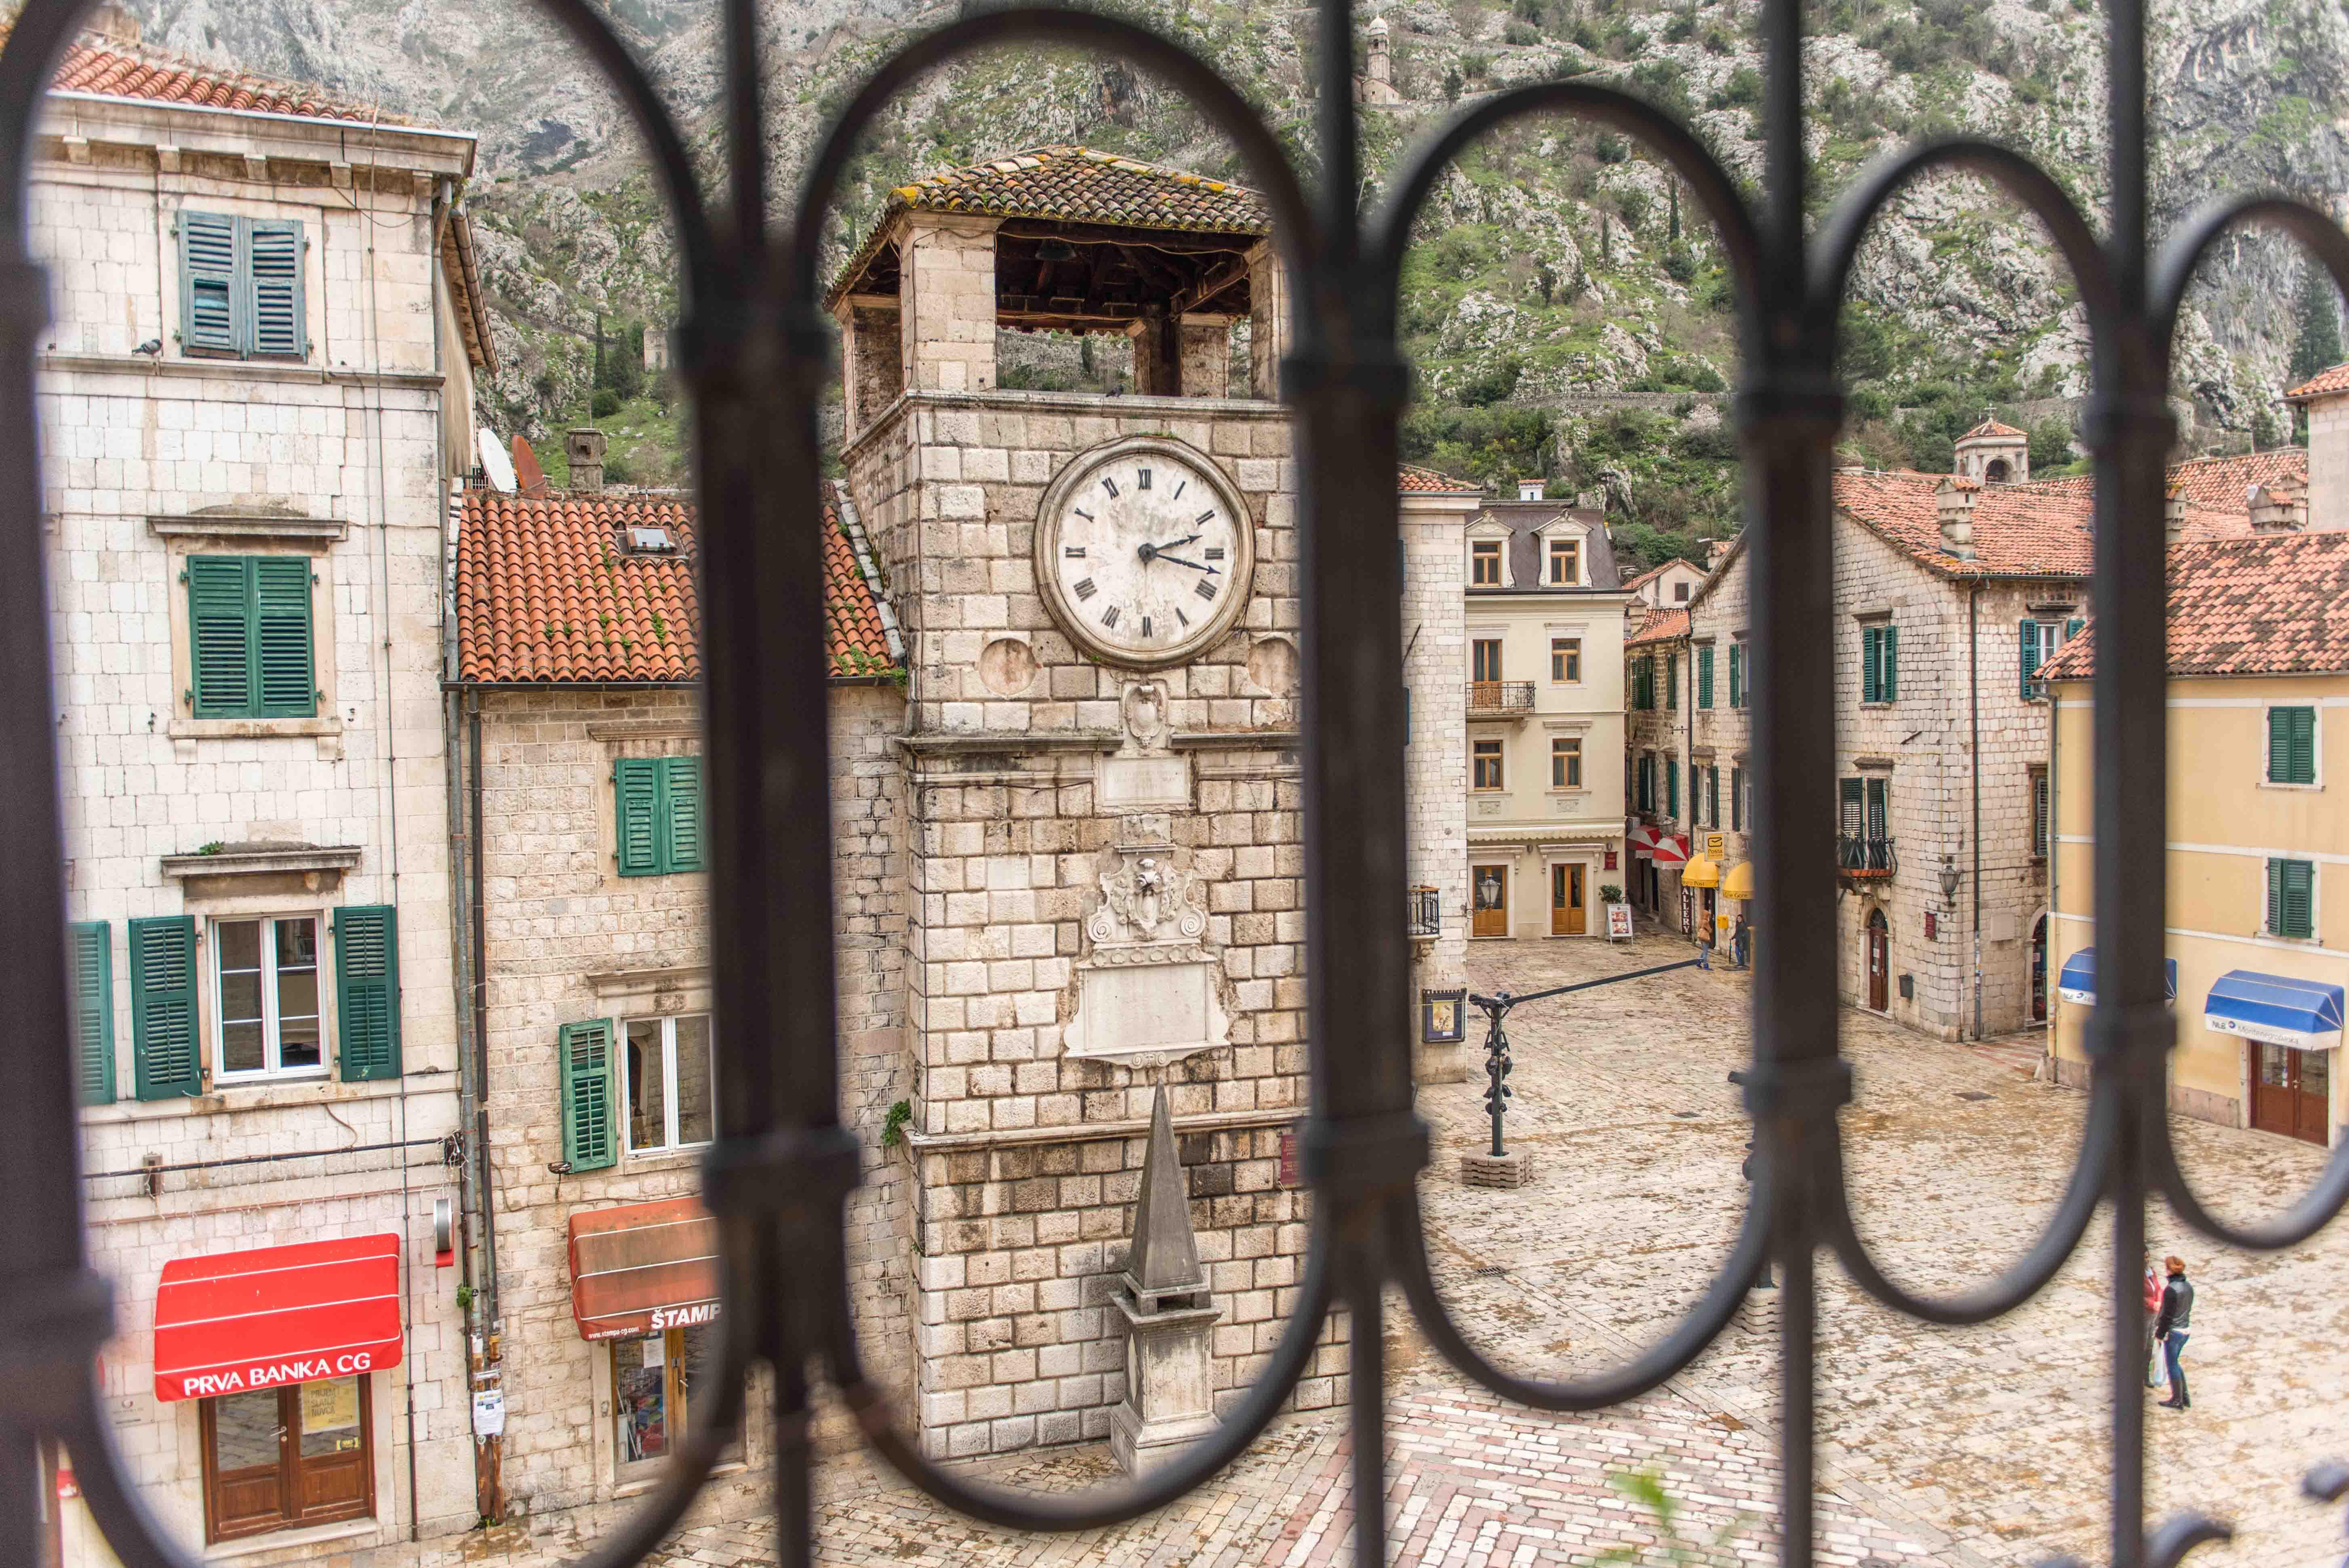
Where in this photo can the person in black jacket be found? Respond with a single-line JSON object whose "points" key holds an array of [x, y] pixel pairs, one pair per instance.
{"points": [[2169, 1328]]}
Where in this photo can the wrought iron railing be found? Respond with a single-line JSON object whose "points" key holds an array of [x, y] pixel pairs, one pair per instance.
{"points": [[1487, 697], [754, 351], [1860, 856], [1426, 912]]}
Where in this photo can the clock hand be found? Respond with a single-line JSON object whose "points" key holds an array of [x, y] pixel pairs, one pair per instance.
{"points": [[1178, 561], [1148, 552]]}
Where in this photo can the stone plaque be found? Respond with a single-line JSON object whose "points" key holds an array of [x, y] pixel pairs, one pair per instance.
{"points": [[1147, 1014], [1123, 783]]}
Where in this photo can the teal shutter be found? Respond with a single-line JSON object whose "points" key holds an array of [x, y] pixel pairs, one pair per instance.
{"points": [[584, 1053], [2291, 898], [1848, 819], [1671, 787], [274, 278], [208, 284], [1713, 794], [2029, 632], [1704, 677], [681, 812], [366, 990], [220, 635], [1870, 663], [91, 952], [1736, 675], [635, 792], [164, 1007], [1672, 681], [1888, 677], [280, 638], [1736, 791], [1880, 812], [2291, 746]]}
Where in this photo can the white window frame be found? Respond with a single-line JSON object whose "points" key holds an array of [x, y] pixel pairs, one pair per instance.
{"points": [[667, 1022], [1500, 765], [1581, 657], [1550, 579], [1500, 539], [272, 1047]]}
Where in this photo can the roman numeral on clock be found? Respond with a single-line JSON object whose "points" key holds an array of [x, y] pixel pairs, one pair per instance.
{"points": [[1214, 553], [1074, 551], [1180, 616], [1082, 588], [1080, 511], [1143, 483], [1109, 616], [1180, 486], [1110, 485], [1206, 516], [1207, 588], [1146, 625]]}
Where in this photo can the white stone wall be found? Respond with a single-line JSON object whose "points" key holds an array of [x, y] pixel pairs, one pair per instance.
{"points": [[1719, 618], [1661, 732], [349, 439], [1435, 761], [2328, 463]]}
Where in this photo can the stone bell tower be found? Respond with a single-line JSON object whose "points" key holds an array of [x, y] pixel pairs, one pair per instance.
{"points": [[1098, 596], [1994, 454]]}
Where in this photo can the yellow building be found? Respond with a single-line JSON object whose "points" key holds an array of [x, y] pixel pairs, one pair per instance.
{"points": [[2258, 916]]}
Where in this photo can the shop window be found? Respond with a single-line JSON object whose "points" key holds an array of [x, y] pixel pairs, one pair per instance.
{"points": [[655, 1381], [282, 1459], [670, 1089]]}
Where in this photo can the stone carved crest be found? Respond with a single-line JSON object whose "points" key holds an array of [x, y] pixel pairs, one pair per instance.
{"points": [[1142, 706], [1149, 899], [1148, 990]]}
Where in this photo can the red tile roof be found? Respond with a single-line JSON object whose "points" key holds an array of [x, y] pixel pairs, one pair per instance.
{"points": [[2273, 604], [1991, 428], [2214, 484], [1661, 627], [2323, 384], [547, 592], [1652, 573], [110, 67], [1413, 479]]}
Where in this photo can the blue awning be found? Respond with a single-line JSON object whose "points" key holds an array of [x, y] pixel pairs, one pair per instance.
{"points": [[2078, 981], [2275, 1009]]}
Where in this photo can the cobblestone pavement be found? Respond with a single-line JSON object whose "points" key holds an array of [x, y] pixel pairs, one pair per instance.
{"points": [[1963, 1448]]}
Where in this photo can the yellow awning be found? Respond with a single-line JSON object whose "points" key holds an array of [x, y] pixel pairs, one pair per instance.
{"points": [[1700, 872], [1738, 882]]}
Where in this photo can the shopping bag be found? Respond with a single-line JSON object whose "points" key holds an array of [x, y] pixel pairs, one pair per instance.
{"points": [[2157, 1370]]}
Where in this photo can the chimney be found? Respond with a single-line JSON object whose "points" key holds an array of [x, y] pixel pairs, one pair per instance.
{"points": [[2173, 515], [2276, 509], [1531, 489], [1953, 502], [584, 448]]}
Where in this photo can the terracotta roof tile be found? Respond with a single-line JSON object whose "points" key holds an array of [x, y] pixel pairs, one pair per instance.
{"points": [[1652, 573], [2214, 484], [1413, 479], [1991, 428], [547, 592], [110, 67], [2323, 384], [2274, 605], [1661, 627]]}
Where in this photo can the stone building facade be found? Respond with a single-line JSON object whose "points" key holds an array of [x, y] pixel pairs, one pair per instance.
{"points": [[1656, 749], [1720, 706], [266, 327]]}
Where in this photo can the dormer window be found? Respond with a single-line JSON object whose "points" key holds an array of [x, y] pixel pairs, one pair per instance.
{"points": [[1484, 563], [1565, 563]]}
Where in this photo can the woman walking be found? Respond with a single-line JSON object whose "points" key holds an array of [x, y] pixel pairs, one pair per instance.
{"points": [[2176, 1316]]}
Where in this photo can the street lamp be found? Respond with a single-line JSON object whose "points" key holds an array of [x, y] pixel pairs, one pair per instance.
{"points": [[1949, 877]]}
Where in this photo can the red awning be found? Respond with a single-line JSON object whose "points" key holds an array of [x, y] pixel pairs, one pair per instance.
{"points": [[1643, 838], [1671, 848], [642, 1268], [272, 1315]]}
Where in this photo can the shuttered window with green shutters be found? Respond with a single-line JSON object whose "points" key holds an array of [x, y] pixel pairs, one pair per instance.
{"points": [[1880, 664], [583, 1059], [367, 991], [1737, 675], [241, 287], [249, 635], [657, 810], [164, 1007], [2291, 746], [1704, 677], [2291, 898], [92, 952]]}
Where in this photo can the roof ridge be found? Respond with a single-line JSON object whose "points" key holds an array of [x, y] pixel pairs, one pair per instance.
{"points": [[92, 59]]}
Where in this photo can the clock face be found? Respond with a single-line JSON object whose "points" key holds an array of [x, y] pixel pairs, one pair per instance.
{"points": [[1145, 552]]}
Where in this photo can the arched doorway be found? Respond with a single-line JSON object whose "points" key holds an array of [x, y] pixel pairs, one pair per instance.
{"points": [[1880, 962], [2039, 970]]}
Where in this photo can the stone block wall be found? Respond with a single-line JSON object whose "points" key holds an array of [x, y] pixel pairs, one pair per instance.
{"points": [[2328, 463], [1719, 617], [947, 296], [1435, 761]]}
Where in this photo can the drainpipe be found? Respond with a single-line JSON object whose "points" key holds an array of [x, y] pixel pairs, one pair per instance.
{"points": [[2047, 947], [490, 1476], [1973, 773], [1688, 750]]}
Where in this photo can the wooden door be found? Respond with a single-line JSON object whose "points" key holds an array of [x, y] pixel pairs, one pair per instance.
{"points": [[245, 1482], [1880, 962], [1491, 884], [2039, 970], [275, 1459], [2289, 1091], [1569, 914]]}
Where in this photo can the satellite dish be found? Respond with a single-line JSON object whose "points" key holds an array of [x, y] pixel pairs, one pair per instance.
{"points": [[494, 461]]}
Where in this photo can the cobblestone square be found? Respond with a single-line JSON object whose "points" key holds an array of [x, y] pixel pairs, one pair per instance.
{"points": [[1937, 1447]]}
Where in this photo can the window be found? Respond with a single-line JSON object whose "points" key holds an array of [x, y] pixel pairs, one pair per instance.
{"points": [[2038, 814], [267, 1003], [1484, 659], [248, 653], [1704, 677], [658, 801], [1866, 809], [1736, 797], [2041, 641], [1880, 664], [1713, 794], [1565, 659], [281, 1459], [2291, 746], [1671, 680], [671, 1092], [1564, 561], [1879, 808], [1849, 808], [1647, 782], [1680, 592], [1644, 682], [1566, 763], [1488, 765], [241, 287], [1737, 679], [1671, 786], [1484, 563], [654, 1382], [2291, 898]]}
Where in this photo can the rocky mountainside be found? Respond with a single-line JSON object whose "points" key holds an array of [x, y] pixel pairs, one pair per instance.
{"points": [[1563, 304]]}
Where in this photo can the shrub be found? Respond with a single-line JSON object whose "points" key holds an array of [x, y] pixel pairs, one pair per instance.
{"points": [[1743, 89], [1680, 263], [1520, 33], [1612, 148], [605, 403]]}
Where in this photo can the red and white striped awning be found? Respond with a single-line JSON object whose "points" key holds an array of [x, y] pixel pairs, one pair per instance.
{"points": [[1671, 850], [1643, 839]]}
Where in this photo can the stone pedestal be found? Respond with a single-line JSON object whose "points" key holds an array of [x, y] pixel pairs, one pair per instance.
{"points": [[1170, 1395], [1511, 1170]]}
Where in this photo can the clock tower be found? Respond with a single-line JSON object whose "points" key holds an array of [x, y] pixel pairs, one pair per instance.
{"points": [[1099, 595]]}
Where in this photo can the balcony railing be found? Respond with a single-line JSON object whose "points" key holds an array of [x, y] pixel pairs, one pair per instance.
{"points": [[1500, 697], [1426, 912], [1857, 856]]}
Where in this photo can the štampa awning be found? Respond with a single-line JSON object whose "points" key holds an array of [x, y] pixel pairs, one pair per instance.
{"points": [[2275, 1009], [272, 1315], [643, 1267], [2077, 983]]}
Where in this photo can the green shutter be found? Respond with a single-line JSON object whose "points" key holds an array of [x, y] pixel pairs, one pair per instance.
{"points": [[1736, 675], [164, 1007], [220, 635], [681, 812], [2291, 746], [366, 990], [1713, 794], [1870, 663], [1849, 821], [1879, 809], [91, 953], [1672, 681], [208, 284], [2028, 631], [1887, 678], [590, 1117], [274, 277], [1671, 787], [283, 673], [635, 794], [1736, 791], [2291, 898], [1704, 677]]}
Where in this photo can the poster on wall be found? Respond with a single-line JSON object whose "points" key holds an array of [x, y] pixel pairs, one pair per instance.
{"points": [[1619, 923]]}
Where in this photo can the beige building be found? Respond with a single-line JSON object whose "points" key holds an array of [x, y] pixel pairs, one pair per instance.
{"points": [[1543, 627], [256, 389], [1666, 587], [2259, 736]]}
